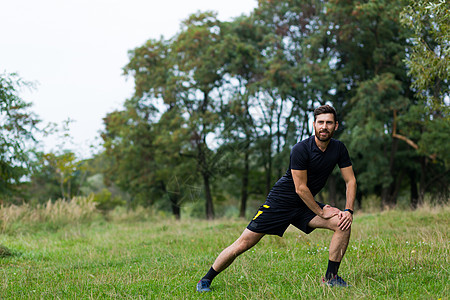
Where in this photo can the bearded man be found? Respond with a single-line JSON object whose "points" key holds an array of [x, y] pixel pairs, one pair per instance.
{"points": [[291, 200]]}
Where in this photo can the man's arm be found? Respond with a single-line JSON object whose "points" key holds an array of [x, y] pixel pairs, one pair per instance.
{"points": [[300, 179], [345, 217]]}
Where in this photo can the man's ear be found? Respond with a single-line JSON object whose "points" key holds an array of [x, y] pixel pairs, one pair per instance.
{"points": [[336, 126]]}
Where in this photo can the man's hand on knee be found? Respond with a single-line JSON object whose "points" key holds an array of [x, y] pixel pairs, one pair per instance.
{"points": [[345, 220]]}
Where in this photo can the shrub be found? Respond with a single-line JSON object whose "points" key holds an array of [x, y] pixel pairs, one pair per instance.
{"points": [[105, 202]]}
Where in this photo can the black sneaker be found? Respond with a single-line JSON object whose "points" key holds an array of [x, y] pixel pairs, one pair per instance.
{"points": [[203, 285], [335, 281]]}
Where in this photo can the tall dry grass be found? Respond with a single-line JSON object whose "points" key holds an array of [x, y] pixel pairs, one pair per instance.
{"points": [[51, 215]]}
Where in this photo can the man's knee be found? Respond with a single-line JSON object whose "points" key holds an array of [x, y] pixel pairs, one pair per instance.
{"points": [[246, 242], [239, 247], [334, 225], [242, 247]]}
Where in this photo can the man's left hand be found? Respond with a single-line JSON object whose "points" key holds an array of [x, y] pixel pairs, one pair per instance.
{"points": [[345, 220]]}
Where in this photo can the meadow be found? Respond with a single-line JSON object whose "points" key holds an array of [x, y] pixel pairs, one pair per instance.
{"points": [[70, 251]]}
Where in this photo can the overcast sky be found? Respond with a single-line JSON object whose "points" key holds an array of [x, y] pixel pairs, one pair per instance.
{"points": [[75, 51]]}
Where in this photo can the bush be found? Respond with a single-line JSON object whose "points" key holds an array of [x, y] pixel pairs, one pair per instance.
{"points": [[105, 202]]}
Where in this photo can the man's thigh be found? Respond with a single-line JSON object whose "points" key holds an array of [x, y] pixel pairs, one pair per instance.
{"points": [[271, 220]]}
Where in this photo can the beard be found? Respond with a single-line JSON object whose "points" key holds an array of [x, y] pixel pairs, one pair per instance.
{"points": [[324, 138]]}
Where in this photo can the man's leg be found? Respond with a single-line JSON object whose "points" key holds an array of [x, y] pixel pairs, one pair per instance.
{"points": [[338, 244], [247, 240]]}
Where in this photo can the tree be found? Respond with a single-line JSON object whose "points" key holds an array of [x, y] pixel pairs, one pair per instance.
{"points": [[429, 65], [369, 126], [55, 176], [200, 64], [233, 97], [44, 183], [370, 47], [156, 78], [173, 170], [426, 126], [242, 46], [128, 141], [17, 128], [430, 22], [283, 90]]}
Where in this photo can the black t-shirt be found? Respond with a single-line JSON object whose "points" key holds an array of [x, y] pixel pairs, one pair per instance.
{"points": [[305, 155]]}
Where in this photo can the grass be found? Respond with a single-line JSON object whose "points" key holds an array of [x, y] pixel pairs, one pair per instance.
{"points": [[392, 255]]}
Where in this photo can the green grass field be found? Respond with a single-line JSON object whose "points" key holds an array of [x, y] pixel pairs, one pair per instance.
{"points": [[392, 255]]}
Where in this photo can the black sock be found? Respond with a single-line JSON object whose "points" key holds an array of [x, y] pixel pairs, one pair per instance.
{"points": [[333, 267], [211, 274]]}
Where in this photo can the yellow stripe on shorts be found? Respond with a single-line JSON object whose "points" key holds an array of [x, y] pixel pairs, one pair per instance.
{"points": [[257, 215], [260, 211]]}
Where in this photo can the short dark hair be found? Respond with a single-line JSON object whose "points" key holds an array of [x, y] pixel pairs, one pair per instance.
{"points": [[325, 109]]}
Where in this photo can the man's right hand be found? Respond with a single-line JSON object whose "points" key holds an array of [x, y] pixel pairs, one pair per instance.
{"points": [[329, 211]]}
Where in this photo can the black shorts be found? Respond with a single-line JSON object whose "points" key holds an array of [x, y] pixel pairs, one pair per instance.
{"points": [[273, 220]]}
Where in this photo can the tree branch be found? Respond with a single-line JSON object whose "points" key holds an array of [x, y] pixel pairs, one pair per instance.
{"points": [[404, 138]]}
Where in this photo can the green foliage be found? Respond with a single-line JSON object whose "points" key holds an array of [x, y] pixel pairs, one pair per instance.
{"points": [[197, 52], [429, 66], [105, 202], [370, 121], [220, 103], [183, 72], [44, 181], [55, 176], [430, 21], [17, 128], [217, 107], [128, 140]]}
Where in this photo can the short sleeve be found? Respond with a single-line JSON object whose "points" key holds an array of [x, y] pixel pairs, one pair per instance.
{"points": [[344, 159], [299, 157]]}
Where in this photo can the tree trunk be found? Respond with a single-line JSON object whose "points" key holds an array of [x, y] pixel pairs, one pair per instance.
{"points": [[384, 197], [201, 146], [129, 202], [396, 189], [245, 175], [422, 185], [279, 168], [175, 206], [62, 187], [174, 203], [205, 174], [208, 197], [359, 198], [414, 192], [332, 190], [388, 197], [269, 171], [69, 197]]}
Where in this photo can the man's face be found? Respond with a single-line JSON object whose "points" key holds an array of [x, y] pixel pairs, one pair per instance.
{"points": [[325, 126]]}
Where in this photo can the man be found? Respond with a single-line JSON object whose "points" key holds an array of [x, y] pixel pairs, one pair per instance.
{"points": [[291, 200]]}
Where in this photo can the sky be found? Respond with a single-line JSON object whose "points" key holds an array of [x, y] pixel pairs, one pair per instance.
{"points": [[74, 51]]}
